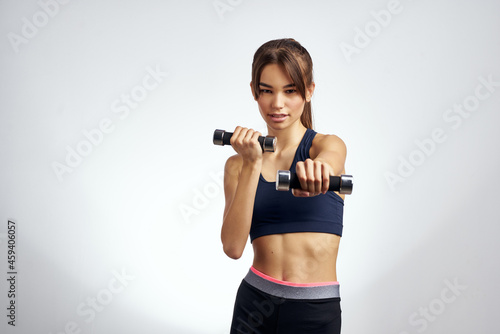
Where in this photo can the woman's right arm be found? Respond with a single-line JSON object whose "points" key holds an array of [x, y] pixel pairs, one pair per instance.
{"points": [[241, 177]]}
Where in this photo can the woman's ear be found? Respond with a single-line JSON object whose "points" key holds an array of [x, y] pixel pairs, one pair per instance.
{"points": [[309, 92]]}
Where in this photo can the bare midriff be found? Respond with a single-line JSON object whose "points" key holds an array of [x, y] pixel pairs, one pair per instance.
{"points": [[304, 257]]}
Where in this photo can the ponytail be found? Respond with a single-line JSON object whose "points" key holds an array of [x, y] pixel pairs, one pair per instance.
{"points": [[306, 117]]}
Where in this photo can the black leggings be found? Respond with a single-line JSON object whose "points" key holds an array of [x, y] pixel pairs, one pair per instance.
{"points": [[258, 312]]}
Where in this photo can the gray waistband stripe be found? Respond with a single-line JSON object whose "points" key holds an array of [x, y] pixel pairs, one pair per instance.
{"points": [[292, 292]]}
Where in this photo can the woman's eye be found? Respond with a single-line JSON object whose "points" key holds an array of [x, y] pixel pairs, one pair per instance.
{"points": [[291, 91], [265, 91]]}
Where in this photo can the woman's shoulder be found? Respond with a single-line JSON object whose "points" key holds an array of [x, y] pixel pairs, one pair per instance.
{"points": [[233, 164], [328, 142], [331, 149]]}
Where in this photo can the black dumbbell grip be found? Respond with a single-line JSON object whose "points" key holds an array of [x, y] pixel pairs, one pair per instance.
{"points": [[334, 182], [286, 180], [226, 138]]}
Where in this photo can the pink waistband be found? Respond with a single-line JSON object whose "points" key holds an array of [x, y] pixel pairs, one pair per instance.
{"points": [[269, 278]]}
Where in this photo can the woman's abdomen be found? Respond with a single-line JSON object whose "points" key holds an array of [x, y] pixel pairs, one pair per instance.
{"points": [[304, 257]]}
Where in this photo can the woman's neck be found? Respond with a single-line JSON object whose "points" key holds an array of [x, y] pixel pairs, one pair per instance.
{"points": [[288, 137]]}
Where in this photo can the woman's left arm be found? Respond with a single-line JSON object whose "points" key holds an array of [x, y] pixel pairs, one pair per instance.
{"points": [[328, 155]]}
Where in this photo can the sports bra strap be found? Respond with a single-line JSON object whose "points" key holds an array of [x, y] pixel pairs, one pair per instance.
{"points": [[302, 152]]}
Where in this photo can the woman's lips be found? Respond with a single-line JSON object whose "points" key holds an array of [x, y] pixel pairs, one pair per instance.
{"points": [[278, 117]]}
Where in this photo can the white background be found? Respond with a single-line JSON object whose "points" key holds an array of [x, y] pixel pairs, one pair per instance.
{"points": [[145, 201]]}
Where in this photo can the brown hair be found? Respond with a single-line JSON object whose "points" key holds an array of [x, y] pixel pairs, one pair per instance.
{"points": [[297, 62]]}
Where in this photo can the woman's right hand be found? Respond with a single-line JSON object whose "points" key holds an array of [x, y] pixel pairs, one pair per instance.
{"points": [[245, 142]]}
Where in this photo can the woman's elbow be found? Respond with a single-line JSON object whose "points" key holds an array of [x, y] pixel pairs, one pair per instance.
{"points": [[232, 251]]}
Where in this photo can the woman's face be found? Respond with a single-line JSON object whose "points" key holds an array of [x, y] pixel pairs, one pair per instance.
{"points": [[280, 103]]}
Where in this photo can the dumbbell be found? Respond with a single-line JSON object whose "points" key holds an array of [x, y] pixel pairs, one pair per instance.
{"points": [[285, 180], [221, 137]]}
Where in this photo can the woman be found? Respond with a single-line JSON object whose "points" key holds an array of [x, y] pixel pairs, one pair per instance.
{"points": [[292, 285]]}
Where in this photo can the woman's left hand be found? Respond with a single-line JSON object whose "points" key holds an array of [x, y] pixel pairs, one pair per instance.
{"points": [[314, 178]]}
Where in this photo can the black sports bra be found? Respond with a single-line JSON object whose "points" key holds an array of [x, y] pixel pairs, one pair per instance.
{"points": [[277, 212]]}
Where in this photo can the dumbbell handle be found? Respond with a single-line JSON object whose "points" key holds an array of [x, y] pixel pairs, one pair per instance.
{"points": [[221, 137], [286, 180]]}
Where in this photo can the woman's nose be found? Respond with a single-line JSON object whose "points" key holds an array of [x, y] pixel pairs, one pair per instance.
{"points": [[278, 101]]}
